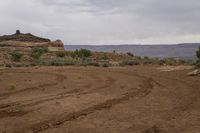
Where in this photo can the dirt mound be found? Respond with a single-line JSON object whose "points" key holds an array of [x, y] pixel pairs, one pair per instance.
{"points": [[23, 37]]}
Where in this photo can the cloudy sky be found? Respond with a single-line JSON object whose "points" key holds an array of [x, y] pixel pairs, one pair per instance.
{"points": [[104, 21]]}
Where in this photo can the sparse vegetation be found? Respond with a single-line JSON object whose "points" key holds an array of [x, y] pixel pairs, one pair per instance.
{"points": [[198, 58], [105, 65], [105, 57], [130, 54], [16, 56], [60, 54], [54, 62], [129, 63], [37, 52], [83, 53]]}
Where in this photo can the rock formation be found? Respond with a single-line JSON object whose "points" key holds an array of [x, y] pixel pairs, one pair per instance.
{"points": [[24, 43], [27, 41]]}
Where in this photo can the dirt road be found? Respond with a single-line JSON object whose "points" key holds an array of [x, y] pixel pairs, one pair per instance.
{"points": [[139, 99]]}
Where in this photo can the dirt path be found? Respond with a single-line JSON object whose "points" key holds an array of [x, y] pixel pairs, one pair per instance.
{"points": [[95, 100]]}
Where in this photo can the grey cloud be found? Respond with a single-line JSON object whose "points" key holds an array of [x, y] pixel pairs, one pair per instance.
{"points": [[104, 21]]}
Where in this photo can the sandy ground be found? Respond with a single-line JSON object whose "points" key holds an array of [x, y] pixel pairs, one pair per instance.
{"points": [[140, 99]]}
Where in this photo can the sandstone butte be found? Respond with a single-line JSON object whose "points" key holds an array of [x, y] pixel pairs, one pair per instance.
{"points": [[24, 42]]}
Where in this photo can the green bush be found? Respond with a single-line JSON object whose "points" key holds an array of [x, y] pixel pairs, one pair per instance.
{"points": [[198, 58], [60, 54], [146, 58], [83, 53], [9, 65], [129, 63], [61, 62], [70, 54], [130, 54], [104, 57], [197, 63], [37, 52], [16, 56], [94, 64], [105, 65], [198, 54]]}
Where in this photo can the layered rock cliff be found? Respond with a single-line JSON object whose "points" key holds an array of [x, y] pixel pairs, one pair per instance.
{"points": [[24, 43]]}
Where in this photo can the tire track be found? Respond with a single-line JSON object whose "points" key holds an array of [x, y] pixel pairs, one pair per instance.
{"points": [[7, 108], [59, 78], [143, 91]]}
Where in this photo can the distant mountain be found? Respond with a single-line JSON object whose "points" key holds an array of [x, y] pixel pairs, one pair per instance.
{"points": [[182, 51]]}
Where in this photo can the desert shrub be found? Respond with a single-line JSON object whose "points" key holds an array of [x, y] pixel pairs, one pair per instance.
{"points": [[130, 54], [129, 63], [16, 56], [198, 53], [170, 61], [94, 64], [8, 65], [146, 58], [61, 62], [198, 58], [70, 54], [197, 64], [105, 65], [60, 54], [146, 62], [83, 53], [161, 62], [54, 62], [37, 52], [104, 57]]}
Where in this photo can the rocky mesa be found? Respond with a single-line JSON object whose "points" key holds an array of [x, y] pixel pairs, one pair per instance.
{"points": [[24, 43]]}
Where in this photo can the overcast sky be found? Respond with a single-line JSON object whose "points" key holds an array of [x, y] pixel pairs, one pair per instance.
{"points": [[104, 21]]}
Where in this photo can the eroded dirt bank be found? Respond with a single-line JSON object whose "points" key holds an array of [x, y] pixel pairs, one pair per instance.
{"points": [[139, 99]]}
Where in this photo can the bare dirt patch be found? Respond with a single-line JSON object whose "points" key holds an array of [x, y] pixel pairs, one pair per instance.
{"points": [[137, 99]]}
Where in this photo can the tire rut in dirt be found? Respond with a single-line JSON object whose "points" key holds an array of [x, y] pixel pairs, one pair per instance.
{"points": [[59, 78], [61, 119], [16, 108]]}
